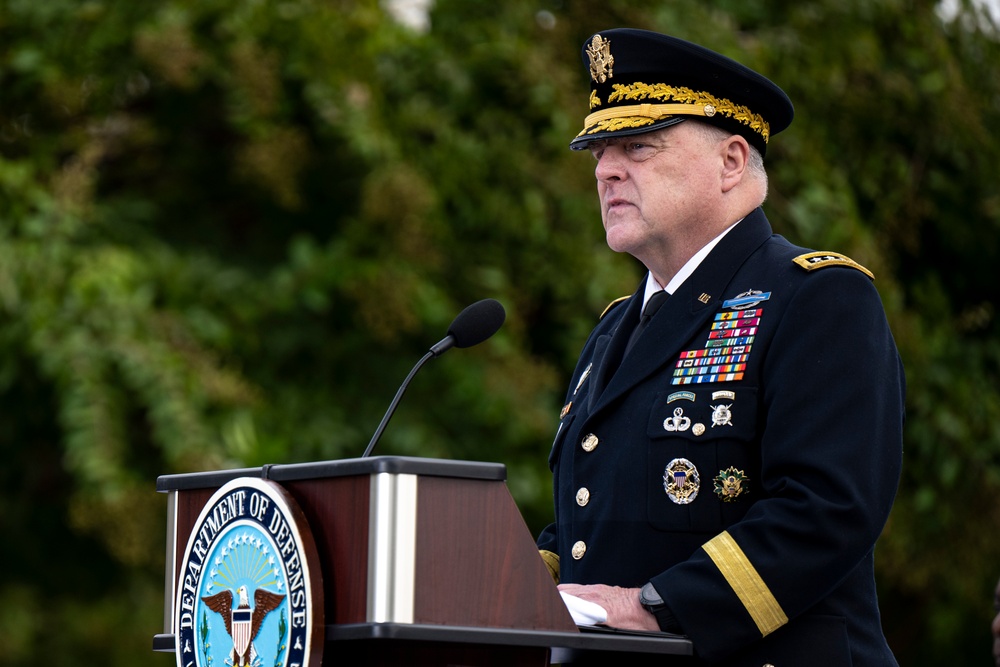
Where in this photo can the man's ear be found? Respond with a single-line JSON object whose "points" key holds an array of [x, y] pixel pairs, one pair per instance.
{"points": [[735, 153]]}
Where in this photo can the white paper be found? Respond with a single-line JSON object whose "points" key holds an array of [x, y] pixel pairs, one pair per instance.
{"points": [[583, 611]]}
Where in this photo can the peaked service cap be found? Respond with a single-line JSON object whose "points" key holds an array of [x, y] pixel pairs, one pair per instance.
{"points": [[643, 81]]}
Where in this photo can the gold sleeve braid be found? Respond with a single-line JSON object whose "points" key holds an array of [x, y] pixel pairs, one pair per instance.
{"points": [[551, 561], [741, 575]]}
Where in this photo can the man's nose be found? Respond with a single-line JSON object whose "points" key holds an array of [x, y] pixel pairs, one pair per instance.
{"points": [[611, 164]]}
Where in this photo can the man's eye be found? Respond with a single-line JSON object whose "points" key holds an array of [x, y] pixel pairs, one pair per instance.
{"points": [[638, 150]]}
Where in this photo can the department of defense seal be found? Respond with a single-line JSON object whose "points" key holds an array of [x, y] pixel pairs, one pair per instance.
{"points": [[249, 590]]}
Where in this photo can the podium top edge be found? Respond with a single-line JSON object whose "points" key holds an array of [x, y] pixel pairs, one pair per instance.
{"points": [[400, 465]]}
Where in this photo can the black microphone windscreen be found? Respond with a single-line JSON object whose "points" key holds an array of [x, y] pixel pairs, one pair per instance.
{"points": [[477, 323]]}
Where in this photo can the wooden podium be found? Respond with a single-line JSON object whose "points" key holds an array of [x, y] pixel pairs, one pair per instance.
{"points": [[423, 562]]}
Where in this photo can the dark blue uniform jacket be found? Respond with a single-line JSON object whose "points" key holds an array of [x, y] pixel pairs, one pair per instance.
{"points": [[743, 457]]}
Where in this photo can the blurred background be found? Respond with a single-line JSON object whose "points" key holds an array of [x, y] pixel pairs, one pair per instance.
{"points": [[228, 228]]}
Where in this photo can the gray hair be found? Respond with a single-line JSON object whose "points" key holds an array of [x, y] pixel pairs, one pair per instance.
{"points": [[755, 161]]}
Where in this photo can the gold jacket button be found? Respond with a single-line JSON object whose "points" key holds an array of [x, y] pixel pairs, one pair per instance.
{"points": [[579, 549], [583, 496], [589, 443]]}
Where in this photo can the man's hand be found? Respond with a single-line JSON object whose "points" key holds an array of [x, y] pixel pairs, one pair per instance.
{"points": [[622, 605]]}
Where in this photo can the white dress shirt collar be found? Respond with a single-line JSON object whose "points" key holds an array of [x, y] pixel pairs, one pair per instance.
{"points": [[686, 270]]}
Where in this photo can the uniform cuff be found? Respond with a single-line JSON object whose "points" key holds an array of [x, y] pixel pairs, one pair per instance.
{"points": [[667, 621]]}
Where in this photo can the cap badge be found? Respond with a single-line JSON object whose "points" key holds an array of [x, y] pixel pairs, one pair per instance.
{"points": [[601, 60], [681, 481], [730, 484]]}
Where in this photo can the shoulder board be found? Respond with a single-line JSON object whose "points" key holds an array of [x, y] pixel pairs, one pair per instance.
{"points": [[613, 304], [819, 260]]}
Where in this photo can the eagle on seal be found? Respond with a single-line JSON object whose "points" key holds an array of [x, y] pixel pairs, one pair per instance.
{"points": [[243, 623]]}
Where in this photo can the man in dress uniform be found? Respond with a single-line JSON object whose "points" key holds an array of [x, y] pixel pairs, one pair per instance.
{"points": [[731, 441]]}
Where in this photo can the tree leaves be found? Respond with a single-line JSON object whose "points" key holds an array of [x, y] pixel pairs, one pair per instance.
{"points": [[228, 229]]}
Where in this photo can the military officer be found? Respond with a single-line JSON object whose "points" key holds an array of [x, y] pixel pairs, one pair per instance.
{"points": [[731, 441]]}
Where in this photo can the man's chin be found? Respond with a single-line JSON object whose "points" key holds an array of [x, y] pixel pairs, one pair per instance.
{"points": [[619, 242]]}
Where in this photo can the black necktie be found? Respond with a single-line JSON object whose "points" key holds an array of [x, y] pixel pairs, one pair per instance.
{"points": [[653, 305]]}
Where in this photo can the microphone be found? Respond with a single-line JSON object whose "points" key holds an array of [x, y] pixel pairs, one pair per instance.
{"points": [[471, 327]]}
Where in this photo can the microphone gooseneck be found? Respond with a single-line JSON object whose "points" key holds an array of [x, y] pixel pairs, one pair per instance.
{"points": [[471, 327]]}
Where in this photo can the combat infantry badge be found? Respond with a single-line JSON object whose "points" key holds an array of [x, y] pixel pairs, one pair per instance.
{"points": [[601, 60]]}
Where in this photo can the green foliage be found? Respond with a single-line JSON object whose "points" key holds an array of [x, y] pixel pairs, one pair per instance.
{"points": [[228, 229]]}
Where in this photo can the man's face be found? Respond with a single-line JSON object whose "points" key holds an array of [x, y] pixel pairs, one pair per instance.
{"points": [[656, 190]]}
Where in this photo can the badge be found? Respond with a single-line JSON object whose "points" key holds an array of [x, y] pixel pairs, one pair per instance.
{"points": [[601, 60], [721, 416], [681, 481], [680, 396], [678, 422], [747, 299], [565, 410], [730, 484]]}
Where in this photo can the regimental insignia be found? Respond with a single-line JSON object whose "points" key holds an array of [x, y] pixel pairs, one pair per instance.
{"points": [[249, 589], [681, 481], [678, 422], [730, 484], [721, 416], [601, 60], [818, 260], [747, 299]]}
